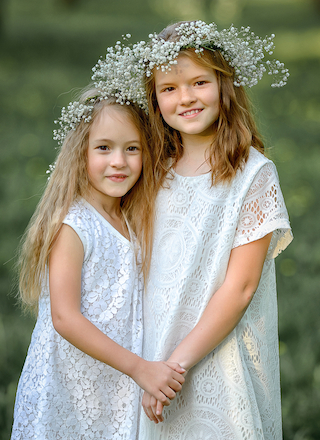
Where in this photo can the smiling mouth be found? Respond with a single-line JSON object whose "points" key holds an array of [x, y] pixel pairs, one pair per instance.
{"points": [[117, 177], [191, 112]]}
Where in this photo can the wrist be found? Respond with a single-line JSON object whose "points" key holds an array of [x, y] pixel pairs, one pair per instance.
{"points": [[134, 367], [174, 360], [182, 362]]}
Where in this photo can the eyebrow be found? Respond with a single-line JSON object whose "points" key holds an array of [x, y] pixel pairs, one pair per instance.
{"points": [[111, 141], [162, 84]]}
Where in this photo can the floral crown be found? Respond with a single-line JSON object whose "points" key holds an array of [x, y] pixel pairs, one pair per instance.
{"points": [[242, 49], [121, 73], [116, 75]]}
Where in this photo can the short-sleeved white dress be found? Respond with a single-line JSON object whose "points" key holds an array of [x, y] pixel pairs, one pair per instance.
{"points": [[234, 392], [64, 394]]}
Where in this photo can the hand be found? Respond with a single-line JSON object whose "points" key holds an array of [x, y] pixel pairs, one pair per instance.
{"points": [[176, 367], [159, 379], [152, 407]]}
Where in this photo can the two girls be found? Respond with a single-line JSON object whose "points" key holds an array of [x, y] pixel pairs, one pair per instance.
{"points": [[210, 303], [78, 267]]}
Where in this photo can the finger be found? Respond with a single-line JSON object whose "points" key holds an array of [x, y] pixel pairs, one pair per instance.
{"points": [[150, 414], [169, 393], [146, 404], [159, 410], [154, 406], [171, 388], [176, 367], [178, 377], [163, 398], [174, 380], [175, 385]]}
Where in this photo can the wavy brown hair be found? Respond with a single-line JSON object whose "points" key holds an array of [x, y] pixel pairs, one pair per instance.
{"points": [[68, 181], [233, 132]]}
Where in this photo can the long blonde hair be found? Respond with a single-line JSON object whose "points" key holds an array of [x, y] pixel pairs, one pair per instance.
{"points": [[68, 181], [234, 131]]}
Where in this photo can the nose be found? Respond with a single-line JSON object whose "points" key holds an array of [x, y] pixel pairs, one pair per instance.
{"points": [[118, 159], [187, 95]]}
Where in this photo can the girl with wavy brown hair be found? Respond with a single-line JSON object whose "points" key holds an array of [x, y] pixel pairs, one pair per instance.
{"points": [[210, 302]]}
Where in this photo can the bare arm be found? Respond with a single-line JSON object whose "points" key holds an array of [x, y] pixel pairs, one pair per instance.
{"points": [[223, 312], [227, 305], [65, 265]]}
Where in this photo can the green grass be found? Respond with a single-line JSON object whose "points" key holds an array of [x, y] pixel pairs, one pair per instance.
{"points": [[48, 49]]}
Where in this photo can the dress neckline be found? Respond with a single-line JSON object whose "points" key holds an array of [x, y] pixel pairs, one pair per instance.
{"points": [[109, 225], [199, 176]]}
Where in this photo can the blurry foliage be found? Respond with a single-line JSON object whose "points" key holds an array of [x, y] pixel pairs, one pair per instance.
{"points": [[47, 51]]}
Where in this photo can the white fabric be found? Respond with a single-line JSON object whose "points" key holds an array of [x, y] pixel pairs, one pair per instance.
{"points": [[234, 392], [64, 393]]}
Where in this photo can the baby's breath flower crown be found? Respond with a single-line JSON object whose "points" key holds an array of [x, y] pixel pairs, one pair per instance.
{"points": [[121, 73], [242, 49]]}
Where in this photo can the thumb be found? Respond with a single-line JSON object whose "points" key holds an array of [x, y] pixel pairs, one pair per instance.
{"points": [[179, 369]]}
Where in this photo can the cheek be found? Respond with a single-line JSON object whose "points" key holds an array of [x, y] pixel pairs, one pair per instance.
{"points": [[165, 110], [163, 104], [94, 167], [214, 96], [138, 166], [215, 103]]}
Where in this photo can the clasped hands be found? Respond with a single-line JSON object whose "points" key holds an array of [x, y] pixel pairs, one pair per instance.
{"points": [[154, 407]]}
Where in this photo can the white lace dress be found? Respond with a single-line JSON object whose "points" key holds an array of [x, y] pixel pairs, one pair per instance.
{"points": [[64, 394], [234, 392]]}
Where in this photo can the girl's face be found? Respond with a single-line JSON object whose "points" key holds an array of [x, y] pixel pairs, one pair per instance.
{"points": [[188, 97], [114, 154]]}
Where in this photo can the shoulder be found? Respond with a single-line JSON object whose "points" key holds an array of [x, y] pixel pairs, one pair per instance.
{"points": [[257, 160], [78, 211], [256, 165], [81, 215], [83, 221]]}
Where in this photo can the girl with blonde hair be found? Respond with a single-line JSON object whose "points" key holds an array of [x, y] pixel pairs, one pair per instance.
{"points": [[81, 270]]}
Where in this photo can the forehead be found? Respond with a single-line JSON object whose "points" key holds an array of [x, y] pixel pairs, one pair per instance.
{"points": [[186, 66], [113, 112], [113, 119]]}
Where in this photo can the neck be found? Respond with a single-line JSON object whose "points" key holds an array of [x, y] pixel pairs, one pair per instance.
{"points": [[195, 143], [195, 154], [109, 209]]}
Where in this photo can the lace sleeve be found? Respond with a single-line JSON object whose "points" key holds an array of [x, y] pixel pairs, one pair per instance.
{"points": [[264, 211], [80, 224]]}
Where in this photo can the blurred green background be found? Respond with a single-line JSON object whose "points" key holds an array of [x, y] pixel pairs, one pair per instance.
{"points": [[48, 48]]}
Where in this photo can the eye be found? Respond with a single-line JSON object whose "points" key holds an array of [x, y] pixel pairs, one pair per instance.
{"points": [[201, 83], [103, 148], [133, 148], [168, 89]]}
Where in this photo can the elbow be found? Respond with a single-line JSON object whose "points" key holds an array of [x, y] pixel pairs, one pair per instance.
{"points": [[65, 321], [247, 294], [59, 323]]}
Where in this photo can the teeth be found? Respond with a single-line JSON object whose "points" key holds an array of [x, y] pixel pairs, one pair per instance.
{"points": [[191, 112]]}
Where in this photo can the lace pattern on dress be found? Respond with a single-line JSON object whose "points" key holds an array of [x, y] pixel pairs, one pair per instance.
{"points": [[264, 211], [64, 394], [234, 392]]}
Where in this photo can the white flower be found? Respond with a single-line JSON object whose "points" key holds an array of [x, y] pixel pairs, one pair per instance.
{"points": [[121, 73], [241, 48]]}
